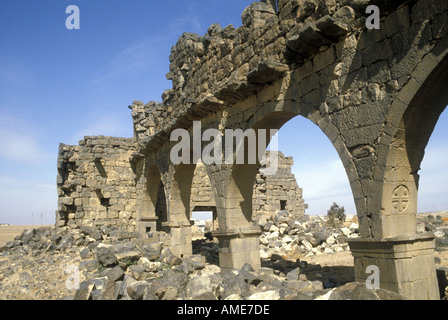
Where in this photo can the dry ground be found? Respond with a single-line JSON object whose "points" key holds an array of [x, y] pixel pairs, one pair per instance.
{"points": [[7, 233], [49, 277]]}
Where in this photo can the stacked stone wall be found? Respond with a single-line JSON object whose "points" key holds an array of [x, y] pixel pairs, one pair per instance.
{"points": [[272, 193], [96, 184]]}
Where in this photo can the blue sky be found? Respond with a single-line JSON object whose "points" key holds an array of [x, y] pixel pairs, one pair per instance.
{"points": [[58, 85]]}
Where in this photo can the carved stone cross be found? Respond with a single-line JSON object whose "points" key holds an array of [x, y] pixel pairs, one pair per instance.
{"points": [[400, 199]]}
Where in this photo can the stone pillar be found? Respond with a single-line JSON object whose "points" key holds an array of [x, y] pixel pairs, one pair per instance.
{"points": [[405, 264], [238, 247], [178, 209], [147, 205], [405, 259], [237, 233], [181, 242]]}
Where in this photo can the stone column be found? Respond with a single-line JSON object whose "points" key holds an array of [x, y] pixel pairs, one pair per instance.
{"points": [[238, 247], [237, 234], [405, 264], [178, 209], [405, 259], [148, 197], [181, 242]]}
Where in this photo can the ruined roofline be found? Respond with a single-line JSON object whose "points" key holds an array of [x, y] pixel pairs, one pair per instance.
{"points": [[228, 65]]}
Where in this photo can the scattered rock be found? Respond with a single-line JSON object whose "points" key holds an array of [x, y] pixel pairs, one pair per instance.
{"points": [[105, 256], [359, 291], [267, 295], [287, 234], [138, 268]]}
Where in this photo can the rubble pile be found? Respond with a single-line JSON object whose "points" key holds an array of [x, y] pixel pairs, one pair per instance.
{"points": [[286, 234]]}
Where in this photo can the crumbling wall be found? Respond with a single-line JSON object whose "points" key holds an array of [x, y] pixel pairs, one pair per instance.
{"points": [[228, 65], [280, 191], [272, 193], [96, 184], [201, 189]]}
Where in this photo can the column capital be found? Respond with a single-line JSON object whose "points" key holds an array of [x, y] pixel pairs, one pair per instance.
{"points": [[177, 224], [243, 232]]}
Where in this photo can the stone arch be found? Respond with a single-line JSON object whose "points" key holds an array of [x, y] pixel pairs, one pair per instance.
{"points": [[392, 203], [411, 120], [152, 211], [202, 193], [266, 118], [180, 193]]}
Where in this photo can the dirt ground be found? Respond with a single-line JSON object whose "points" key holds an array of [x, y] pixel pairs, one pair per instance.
{"points": [[49, 277], [7, 233], [345, 259]]}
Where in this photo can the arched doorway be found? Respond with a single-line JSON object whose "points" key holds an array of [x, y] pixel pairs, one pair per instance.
{"points": [[317, 166], [202, 203], [153, 211]]}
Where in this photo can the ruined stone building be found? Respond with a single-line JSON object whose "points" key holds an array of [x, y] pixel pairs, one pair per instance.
{"points": [[97, 187], [377, 95]]}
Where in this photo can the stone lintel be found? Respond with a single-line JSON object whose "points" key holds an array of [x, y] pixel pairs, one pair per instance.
{"points": [[177, 224], [149, 219], [245, 232]]}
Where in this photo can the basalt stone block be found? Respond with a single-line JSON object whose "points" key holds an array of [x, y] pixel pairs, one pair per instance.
{"points": [[106, 257], [332, 28], [115, 274], [313, 36], [266, 72], [85, 291], [298, 45], [255, 11]]}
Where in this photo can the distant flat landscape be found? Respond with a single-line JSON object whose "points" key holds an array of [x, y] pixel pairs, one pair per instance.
{"points": [[7, 233]]}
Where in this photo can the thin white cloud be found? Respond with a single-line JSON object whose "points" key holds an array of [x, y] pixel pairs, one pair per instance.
{"points": [[21, 201], [135, 57], [190, 22], [433, 184], [19, 141], [323, 184]]}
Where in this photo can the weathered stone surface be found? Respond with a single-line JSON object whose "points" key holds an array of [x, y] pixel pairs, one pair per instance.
{"points": [[85, 291], [366, 89], [266, 72], [115, 274], [168, 287], [109, 291], [170, 258], [137, 290], [106, 257], [359, 291], [267, 295], [199, 287]]}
